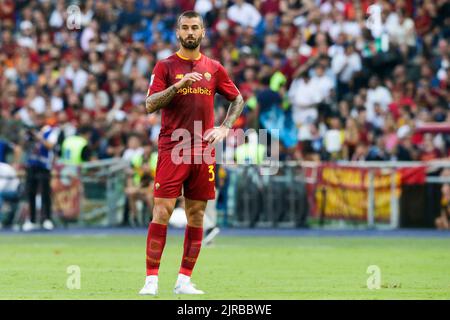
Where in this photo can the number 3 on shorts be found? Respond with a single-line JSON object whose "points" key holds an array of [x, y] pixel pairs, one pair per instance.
{"points": [[211, 172]]}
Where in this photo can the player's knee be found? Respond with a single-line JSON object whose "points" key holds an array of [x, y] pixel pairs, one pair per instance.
{"points": [[161, 214], [195, 218]]}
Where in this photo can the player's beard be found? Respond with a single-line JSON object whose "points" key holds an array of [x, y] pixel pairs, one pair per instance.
{"points": [[190, 43]]}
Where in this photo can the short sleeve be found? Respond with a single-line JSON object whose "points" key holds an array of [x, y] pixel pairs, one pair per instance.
{"points": [[224, 85], [50, 134], [157, 79]]}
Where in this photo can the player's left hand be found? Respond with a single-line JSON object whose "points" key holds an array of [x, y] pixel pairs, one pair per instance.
{"points": [[217, 134]]}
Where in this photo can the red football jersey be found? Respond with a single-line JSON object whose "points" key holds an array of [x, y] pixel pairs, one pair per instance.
{"points": [[194, 103]]}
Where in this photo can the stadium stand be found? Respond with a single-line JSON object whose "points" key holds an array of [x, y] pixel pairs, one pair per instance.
{"points": [[353, 78]]}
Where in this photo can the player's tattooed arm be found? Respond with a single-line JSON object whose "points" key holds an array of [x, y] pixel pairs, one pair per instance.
{"points": [[234, 111], [160, 99], [218, 134]]}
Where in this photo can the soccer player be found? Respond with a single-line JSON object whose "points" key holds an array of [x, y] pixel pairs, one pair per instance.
{"points": [[183, 87]]}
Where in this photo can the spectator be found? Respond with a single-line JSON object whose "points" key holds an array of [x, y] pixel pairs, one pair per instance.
{"points": [[351, 138], [272, 115], [39, 151], [323, 83], [27, 37], [334, 138], [405, 148], [88, 34], [244, 14], [402, 32], [9, 192], [304, 96], [134, 148], [139, 183], [428, 150], [378, 151], [311, 142], [136, 62], [203, 6], [376, 94], [75, 149], [251, 151], [390, 135], [95, 98], [77, 76], [114, 141], [7, 148], [56, 19], [360, 153], [345, 66], [7, 13], [442, 222], [129, 16], [25, 77]]}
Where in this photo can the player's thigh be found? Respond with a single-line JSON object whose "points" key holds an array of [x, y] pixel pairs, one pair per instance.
{"points": [[201, 182], [169, 177]]}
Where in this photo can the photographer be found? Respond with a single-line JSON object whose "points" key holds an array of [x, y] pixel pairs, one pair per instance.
{"points": [[41, 141]]}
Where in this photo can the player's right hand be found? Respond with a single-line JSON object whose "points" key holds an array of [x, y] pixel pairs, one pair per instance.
{"points": [[188, 79]]}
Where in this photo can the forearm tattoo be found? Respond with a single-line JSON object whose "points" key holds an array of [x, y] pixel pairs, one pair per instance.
{"points": [[160, 99], [234, 111]]}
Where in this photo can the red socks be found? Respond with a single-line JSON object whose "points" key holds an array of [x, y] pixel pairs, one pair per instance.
{"points": [[156, 240], [192, 244]]}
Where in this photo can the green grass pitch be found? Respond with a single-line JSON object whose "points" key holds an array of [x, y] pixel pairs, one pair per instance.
{"points": [[112, 267]]}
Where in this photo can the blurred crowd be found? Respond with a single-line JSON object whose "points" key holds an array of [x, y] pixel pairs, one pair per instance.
{"points": [[339, 79], [344, 80]]}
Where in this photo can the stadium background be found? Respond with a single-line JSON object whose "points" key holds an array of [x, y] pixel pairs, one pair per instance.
{"points": [[337, 86]]}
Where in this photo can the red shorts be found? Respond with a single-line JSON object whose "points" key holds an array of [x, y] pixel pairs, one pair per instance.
{"points": [[197, 180]]}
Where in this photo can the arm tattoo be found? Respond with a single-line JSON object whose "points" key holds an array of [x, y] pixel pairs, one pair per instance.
{"points": [[160, 99], [234, 110]]}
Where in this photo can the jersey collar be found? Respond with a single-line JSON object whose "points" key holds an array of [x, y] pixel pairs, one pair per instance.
{"points": [[187, 59]]}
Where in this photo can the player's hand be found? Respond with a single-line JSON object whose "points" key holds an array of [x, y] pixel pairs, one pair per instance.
{"points": [[217, 134], [188, 79]]}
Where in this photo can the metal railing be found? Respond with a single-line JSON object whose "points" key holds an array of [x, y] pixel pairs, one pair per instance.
{"points": [[254, 199], [258, 200], [263, 200], [103, 198]]}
